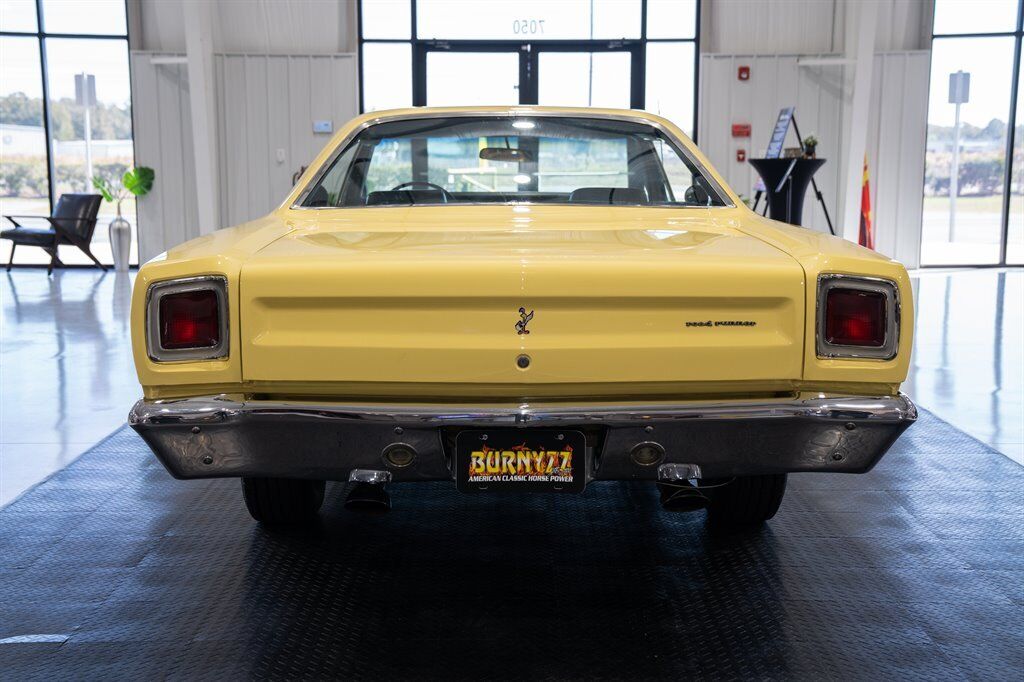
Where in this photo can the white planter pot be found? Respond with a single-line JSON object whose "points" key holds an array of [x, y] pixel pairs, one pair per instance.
{"points": [[120, 242]]}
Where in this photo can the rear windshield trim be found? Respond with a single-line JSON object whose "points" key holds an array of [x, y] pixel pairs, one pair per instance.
{"points": [[344, 143]]}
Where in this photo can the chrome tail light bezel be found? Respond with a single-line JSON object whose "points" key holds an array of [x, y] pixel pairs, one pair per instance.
{"points": [[158, 290], [889, 348]]}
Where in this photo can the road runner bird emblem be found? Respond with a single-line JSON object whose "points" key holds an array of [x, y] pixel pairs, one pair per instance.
{"points": [[525, 320]]}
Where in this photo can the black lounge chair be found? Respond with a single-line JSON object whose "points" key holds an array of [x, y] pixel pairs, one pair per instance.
{"points": [[73, 222]]}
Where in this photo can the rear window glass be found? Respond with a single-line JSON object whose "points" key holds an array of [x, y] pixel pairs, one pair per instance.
{"points": [[507, 159]]}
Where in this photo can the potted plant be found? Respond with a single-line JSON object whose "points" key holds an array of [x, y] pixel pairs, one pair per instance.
{"points": [[136, 181], [810, 147]]}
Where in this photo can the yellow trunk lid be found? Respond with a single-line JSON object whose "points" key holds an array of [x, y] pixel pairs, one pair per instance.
{"points": [[617, 295]]}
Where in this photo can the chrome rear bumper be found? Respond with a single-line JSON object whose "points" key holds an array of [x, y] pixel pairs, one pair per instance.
{"points": [[215, 436]]}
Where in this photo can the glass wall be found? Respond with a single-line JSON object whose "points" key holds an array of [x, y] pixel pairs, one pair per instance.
{"points": [[56, 138], [24, 185], [1015, 227], [974, 189], [567, 53]]}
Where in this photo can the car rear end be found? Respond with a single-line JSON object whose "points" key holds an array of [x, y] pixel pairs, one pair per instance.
{"points": [[664, 354], [515, 345]]}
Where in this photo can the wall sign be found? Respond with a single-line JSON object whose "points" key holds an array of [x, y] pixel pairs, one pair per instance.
{"points": [[741, 130]]}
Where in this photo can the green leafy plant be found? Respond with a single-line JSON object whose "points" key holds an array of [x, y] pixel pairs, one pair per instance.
{"points": [[810, 146], [135, 181]]}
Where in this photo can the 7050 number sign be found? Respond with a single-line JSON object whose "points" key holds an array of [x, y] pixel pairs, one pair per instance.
{"points": [[528, 27]]}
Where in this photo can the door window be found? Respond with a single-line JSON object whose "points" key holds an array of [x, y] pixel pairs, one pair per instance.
{"points": [[584, 79], [494, 77]]}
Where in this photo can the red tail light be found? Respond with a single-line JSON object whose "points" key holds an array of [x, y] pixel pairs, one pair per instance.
{"points": [[855, 317], [190, 319]]}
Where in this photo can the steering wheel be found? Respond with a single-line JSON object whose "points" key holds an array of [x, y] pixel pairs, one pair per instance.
{"points": [[423, 183]]}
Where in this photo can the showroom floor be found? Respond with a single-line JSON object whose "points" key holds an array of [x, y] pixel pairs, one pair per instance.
{"points": [[111, 567], [66, 369]]}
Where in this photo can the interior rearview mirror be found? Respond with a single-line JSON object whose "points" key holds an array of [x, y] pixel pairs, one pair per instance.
{"points": [[504, 154]]}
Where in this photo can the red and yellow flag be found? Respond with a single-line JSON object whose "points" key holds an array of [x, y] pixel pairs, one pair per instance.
{"points": [[867, 232]]}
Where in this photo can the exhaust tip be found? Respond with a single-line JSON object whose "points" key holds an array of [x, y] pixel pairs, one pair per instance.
{"points": [[368, 497], [676, 471], [372, 476]]}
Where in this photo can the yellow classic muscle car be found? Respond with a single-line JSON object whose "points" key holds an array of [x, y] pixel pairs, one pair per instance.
{"points": [[525, 299]]}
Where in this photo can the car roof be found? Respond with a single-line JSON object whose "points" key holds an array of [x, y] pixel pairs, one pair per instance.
{"points": [[512, 110]]}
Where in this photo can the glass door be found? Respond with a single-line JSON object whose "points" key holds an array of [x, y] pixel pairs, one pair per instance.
{"points": [[552, 74], [467, 76], [575, 78]]}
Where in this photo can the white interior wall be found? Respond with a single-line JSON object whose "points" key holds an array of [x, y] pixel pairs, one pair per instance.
{"points": [[266, 108], [266, 105], [897, 134], [161, 110], [775, 82], [760, 27], [256, 26], [773, 27], [896, 138]]}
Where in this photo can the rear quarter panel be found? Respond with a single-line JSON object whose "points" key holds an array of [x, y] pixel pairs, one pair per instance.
{"points": [[819, 254], [219, 253]]}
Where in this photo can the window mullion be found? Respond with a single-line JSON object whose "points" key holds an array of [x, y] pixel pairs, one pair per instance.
{"points": [[41, 41]]}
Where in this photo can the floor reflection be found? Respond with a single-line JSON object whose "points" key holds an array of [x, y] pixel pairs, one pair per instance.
{"points": [[968, 364], [66, 368]]}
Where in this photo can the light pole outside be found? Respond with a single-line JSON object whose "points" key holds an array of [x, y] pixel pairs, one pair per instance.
{"points": [[959, 93], [85, 97]]}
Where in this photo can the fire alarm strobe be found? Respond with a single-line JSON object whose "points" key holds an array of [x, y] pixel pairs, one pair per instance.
{"points": [[744, 73], [741, 130]]}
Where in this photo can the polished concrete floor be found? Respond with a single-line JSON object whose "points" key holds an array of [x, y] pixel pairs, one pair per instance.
{"points": [[968, 363], [67, 377], [66, 373]]}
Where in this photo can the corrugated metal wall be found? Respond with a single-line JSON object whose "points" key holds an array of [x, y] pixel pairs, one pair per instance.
{"points": [[163, 141], [896, 135], [760, 27], [771, 27], [265, 103], [255, 26], [775, 82], [267, 106]]}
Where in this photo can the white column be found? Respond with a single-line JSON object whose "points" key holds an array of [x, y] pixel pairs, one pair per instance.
{"points": [[862, 50], [202, 94]]}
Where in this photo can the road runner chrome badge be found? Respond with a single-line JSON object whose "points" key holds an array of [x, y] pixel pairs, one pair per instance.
{"points": [[525, 320]]}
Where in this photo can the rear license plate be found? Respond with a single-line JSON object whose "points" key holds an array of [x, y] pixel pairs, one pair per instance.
{"points": [[528, 460]]}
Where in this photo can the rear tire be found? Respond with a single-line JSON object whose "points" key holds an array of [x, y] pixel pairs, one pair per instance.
{"points": [[282, 501], [747, 500]]}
